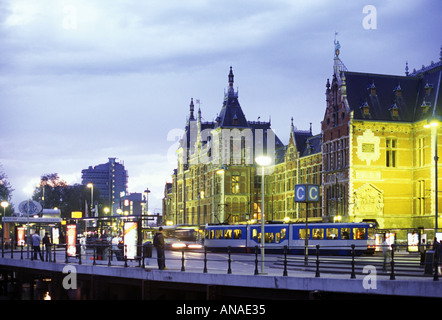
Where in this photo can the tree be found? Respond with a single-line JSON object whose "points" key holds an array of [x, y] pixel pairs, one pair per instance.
{"points": [[54, 192], [6, 192]]}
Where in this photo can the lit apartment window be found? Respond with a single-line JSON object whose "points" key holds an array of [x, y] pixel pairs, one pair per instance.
{"points": [[391, 153]]}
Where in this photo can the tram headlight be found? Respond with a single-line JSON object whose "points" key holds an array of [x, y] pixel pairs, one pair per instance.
{"points": [[178, 245], [194, 246]]}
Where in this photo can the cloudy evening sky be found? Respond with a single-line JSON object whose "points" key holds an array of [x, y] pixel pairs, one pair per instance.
{"points": [[81, 81]]}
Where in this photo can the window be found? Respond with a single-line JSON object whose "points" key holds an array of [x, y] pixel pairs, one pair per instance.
{"points": [[237, 234], [345, 233], [421, 197], [358, 233], [332, 233], [218, 234], [318, 234], [302, 233], [391, 153], [235, 184], [421, 152], [228, 234]]}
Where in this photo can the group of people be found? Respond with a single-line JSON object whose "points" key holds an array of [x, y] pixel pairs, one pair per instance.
{"points": [[36, 239]]}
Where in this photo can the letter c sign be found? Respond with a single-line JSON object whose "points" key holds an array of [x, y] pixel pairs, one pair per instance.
{"points": [[306, 193]]}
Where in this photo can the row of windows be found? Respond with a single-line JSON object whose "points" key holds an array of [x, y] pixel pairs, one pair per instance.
{"points": [[277, 237]]}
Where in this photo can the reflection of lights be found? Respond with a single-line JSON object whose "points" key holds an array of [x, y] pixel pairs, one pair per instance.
{"points": [[195, 246], [47, 296]]}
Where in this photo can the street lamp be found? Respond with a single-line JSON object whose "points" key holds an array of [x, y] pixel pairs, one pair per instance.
{"points": [[91, 186], [262, 161], [4, 204], [433, 124]]}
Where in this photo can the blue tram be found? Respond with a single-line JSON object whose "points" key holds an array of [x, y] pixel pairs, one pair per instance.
{"points": [[333, 238]]}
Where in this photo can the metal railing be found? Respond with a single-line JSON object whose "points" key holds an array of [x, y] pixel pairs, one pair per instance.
{"points": [[321, 263]]}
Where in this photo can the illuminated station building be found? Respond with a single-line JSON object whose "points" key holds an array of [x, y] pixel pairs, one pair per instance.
{"points": [[374, 158]]}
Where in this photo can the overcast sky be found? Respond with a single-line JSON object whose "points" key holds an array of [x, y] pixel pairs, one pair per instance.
{"points": [[81, 81]]}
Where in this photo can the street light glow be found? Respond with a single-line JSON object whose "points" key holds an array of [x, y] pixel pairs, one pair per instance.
{"points": [[263, 160]]}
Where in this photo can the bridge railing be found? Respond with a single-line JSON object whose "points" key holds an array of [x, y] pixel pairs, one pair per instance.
{"points": [[99, 253]]}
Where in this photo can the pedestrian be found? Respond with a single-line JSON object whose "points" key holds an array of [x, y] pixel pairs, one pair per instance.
{"points": [[423, 250], [36, 245], [47, 243], [386, 252], [158, 242]]}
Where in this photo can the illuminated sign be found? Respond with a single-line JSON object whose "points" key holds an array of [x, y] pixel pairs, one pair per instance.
{"points": [[307, 193], [130, 239], [71, 239], [76, 214], [21, 236]]}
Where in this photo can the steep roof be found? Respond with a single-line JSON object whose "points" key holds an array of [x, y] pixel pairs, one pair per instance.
{"points": [[407, 98]]}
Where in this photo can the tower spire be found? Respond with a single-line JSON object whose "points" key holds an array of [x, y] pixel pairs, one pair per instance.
{"points": [[192, 108]]}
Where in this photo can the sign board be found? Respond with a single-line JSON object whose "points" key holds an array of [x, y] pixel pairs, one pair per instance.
{"points": [[31, 220], [71, 239], [76, 214], [29, 207], [306, 193], [130, 239], [21, 236]]}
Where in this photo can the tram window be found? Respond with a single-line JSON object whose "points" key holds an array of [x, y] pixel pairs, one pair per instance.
{"points": [[277, 237], [210, 234], [370, 233], [228, 234], [269, 236], [283, 233], [345, 233], [237, 234], [218, 234], [332, 233], [358, 233], [318, 234], [302, 233], [254, 234]]}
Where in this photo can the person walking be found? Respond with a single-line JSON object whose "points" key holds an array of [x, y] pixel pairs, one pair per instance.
{"points": [[386, 252], [47, 243], [158, 243], [36, 245]]}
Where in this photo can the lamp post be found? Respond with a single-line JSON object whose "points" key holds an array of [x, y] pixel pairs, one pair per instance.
{"points": [[433, 124], [262, 161], [91, 186], [4, 204]]}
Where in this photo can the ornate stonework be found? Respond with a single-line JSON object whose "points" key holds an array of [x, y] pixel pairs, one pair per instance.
{"points": [[368, 147], [369, 200]]}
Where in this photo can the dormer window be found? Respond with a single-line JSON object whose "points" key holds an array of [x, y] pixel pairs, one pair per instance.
{"points": [[372, 89], [398, 91], [428, 88], [394, 111], [365, 109]]}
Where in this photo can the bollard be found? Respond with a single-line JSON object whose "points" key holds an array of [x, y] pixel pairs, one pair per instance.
{"points": [[285, 274], [12, 251], [353, 274], [21, 253], [436, 267], [79, 255], [66, 253], [182, 260], [95, 251], [256, 260], [317, 261], [109, 256], [55, 249], [229, 269], [3, 249], [392, 275], [125, 256], [205, 260]]}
